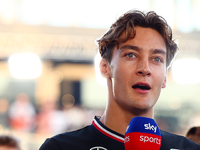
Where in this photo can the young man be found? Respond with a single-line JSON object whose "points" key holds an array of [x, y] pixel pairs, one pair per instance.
{"points": [[136, 53]]}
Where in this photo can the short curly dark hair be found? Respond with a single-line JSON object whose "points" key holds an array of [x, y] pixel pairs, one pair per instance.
{"points": [[9, 141], [127, 23]]}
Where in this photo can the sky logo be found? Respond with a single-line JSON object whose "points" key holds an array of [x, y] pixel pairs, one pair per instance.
{"points": [[150, 127]]}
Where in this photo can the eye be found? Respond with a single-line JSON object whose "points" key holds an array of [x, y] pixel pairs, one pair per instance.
{"points": [[130, 55], [157, 59]]}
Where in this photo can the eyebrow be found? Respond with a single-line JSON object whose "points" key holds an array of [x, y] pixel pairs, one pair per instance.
{"points": [[124, 47], [159, 51], [154, 51]]}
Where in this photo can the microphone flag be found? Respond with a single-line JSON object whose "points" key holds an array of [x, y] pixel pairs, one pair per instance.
{"points": [[142, 134]]}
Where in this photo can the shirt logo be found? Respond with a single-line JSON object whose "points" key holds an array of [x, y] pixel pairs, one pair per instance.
{"points": [[98, 148]]}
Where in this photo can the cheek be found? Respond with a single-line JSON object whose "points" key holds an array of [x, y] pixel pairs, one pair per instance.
{"points": [[122, 78], [161, 79], [120, 72]]}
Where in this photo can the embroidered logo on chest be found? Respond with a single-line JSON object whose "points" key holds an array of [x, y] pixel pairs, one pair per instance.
{"points": [[98, 148]]}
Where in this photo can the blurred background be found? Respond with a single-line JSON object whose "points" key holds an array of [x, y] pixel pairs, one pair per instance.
{"points": [[49, 80]]}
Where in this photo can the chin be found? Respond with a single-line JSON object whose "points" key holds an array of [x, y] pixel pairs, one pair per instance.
{"points": [[141, 109]]}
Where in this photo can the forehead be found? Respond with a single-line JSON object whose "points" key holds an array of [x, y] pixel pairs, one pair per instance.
{"points": [[146, 38]]}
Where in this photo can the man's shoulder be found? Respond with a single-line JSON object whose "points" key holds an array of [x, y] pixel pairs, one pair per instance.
{"points": [[78, 135], [170, 140], [167, 135], [69, 140]]}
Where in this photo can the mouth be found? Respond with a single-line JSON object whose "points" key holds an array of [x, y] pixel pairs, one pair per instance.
{"points": [[142, 86]]}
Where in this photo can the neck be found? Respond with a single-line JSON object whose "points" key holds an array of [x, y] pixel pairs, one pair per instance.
{"points": [[117, 118]]}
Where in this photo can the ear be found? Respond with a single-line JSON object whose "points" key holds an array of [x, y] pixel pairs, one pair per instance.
{"points": [[105, 68], [164, 82]]}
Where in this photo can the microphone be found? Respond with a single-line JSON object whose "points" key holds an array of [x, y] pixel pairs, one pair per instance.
{"points": [[142, 134]]}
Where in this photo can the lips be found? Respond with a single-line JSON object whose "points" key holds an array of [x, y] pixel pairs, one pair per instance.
{"points": [[141, 87]]}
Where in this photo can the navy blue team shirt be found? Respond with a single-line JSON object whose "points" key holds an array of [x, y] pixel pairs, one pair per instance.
{"points": [[98, 137]]}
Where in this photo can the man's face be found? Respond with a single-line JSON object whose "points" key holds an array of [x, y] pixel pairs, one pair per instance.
{"points": [[138, 70]]}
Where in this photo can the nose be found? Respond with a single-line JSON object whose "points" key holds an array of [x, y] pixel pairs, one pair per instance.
{"points": [[143, 68]]}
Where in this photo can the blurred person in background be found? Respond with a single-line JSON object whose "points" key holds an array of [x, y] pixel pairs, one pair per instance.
{"points": [[76, 117], [8, 143], [22, 114], [4, 105], [194, 134], [136, 53], [50, 120]]}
